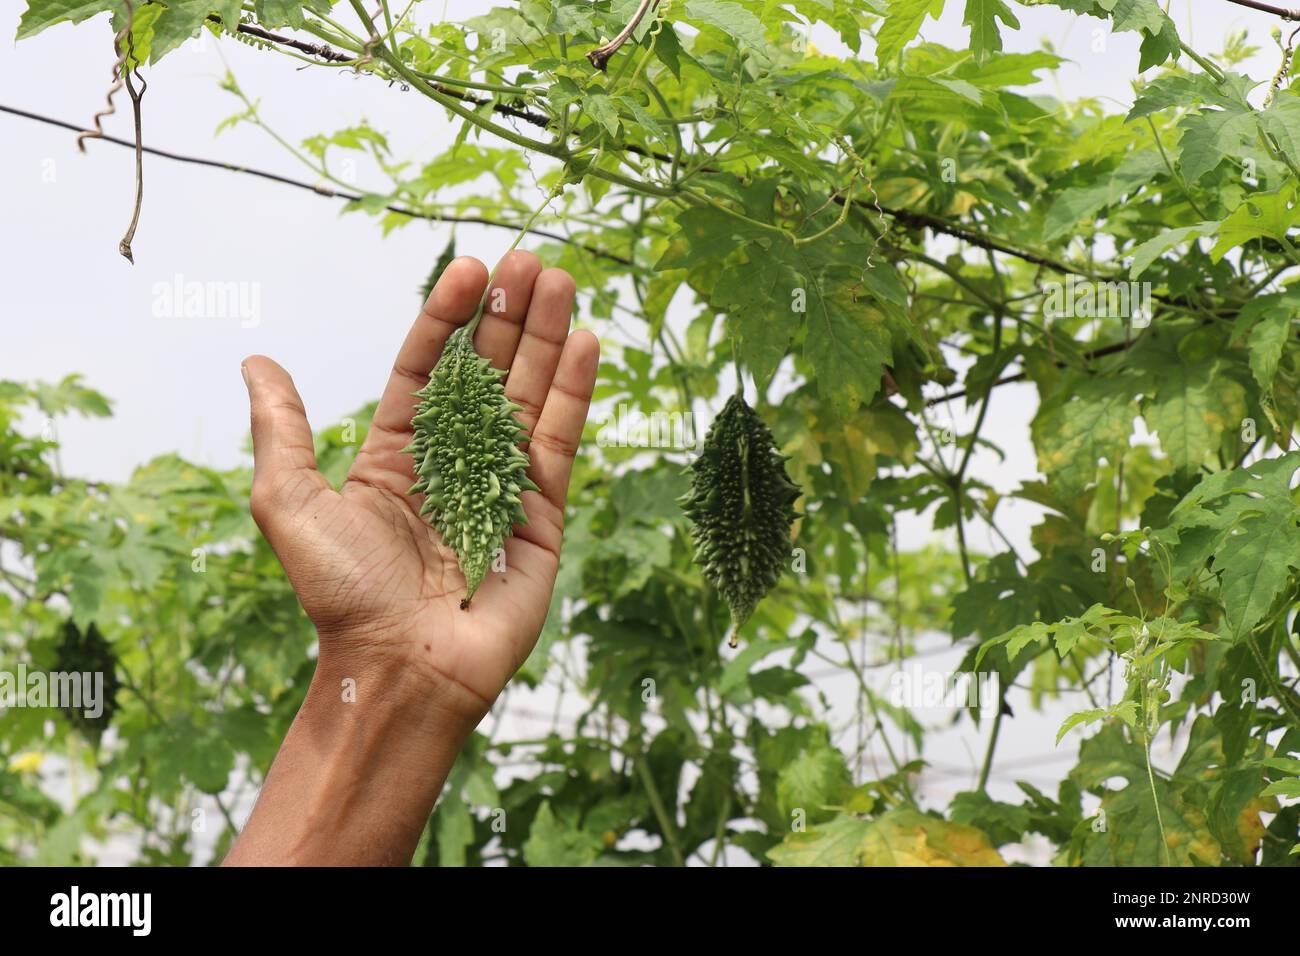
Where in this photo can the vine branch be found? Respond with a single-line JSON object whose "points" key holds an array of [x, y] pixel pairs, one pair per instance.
{"points": [[1277, 11], [321, 190], [599, 57], [905, 216], [326, 52], [124, 246]]}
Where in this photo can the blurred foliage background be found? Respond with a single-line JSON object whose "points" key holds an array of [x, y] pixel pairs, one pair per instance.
{"points": [[872, 233]]}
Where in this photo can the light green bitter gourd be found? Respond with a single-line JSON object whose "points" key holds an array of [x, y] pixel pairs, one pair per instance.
{"points": [[468, 463]]}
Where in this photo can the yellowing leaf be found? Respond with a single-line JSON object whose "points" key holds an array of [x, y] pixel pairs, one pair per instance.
{"points": [[1073, 435], [901, 837]]}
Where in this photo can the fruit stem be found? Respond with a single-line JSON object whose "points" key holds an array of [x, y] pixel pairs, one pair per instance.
{"points": [[740, 379], [482, 303]]}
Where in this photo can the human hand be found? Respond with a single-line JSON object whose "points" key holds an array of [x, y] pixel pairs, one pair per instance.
{"points": [[374, 577]]}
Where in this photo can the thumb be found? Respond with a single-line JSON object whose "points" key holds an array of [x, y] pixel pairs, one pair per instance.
{"points": [[284, 454]]}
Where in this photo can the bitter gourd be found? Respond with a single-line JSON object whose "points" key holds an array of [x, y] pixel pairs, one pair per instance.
{"points": [[741, 506], [468, 463], [88, 653]]}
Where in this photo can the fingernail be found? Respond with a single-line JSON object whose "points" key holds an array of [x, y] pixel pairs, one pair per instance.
{"points": [[243, 370]]}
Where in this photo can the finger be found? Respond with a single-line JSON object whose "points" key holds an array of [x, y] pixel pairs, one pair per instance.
{"points": [[506, 306], [284, 456], [538, 353], [559, 429], [451, 304]]}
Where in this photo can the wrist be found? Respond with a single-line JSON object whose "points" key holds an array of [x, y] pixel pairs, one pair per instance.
{"points": [[396, 667], [396, 670], [361, 765]]}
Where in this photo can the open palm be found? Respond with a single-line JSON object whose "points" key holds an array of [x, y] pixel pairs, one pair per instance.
{"points": [[373, 576]]}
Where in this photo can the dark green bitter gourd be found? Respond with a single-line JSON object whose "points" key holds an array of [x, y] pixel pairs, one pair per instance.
{"points": [[741, 505], [89, 653], [468, 463]]}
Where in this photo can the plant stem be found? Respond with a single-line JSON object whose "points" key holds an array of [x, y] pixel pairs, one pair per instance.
{"points": [[482, 304], [657, 805], [1267, 671], [988, 753], [1202, 62], [1151, 780]]}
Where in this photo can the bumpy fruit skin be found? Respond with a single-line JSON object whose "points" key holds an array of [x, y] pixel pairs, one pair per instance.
{"points": [[741, 505], [89, 653], [468, 463]]}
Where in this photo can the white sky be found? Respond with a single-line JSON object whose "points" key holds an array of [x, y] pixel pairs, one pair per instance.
{"points": [[335, 296]]}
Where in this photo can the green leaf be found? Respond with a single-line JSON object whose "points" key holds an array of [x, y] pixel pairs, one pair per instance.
{"points": [[553, 842], [454, 828], [848, 344], [1148, 252], [1281, 120], [1158, 48], [70, 395], [1003, 822], [1179, 91], [1081, 717], [902, 22], [1007, 69], [45, 13], [1193, 404], [1079, 203], [1283, 788], [669, 50], [1132, 835], [813, 783], [1067, 635], [1135, 15], [1021, 637], [1256, 541], [758, 295], [141, 40], [86, 593], [280, 13], [200, 755], [982, 17], [643, 116], [737, 670], [1270, 215], [1268, 339], [604, 111], [1285, 764], [1211, 136], [1256, 565], [733, 20], [180, 21]]}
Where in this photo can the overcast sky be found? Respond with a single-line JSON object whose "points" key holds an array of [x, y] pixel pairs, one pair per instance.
{"points": [[334, 297]]}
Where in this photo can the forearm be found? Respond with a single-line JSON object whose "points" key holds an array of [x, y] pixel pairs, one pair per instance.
{"points": [[358, 772]]}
